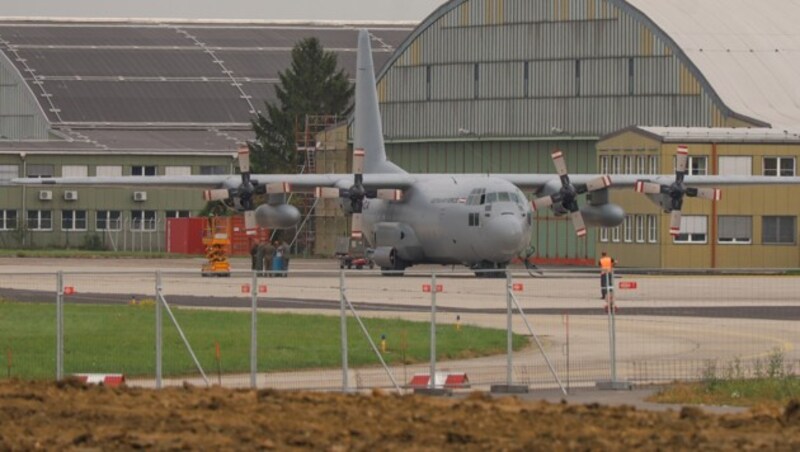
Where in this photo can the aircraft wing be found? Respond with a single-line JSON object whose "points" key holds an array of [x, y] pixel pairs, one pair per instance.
{"points": [[298, 182], [533, 182]]}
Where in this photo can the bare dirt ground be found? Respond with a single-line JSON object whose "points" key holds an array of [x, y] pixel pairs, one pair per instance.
{"points": [[70, 415]]}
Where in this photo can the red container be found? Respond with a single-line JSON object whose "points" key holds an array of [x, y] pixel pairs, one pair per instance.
{"points": [[185, 235]]}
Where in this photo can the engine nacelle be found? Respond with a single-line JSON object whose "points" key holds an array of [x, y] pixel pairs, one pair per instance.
{"points": [[280, 216], [384, 256], [606, 215]]}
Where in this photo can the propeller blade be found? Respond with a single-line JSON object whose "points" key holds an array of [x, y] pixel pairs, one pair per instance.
{"points": [[390, 194], [216, 195], [250, 219], [577, 222], [279, 187], [355, 228], [542, 203], [558, 161], [358, 161], [712, 194], [675, 222], [598, 183], [326, 192], [244, 159], [682, 159], [647, 187]]}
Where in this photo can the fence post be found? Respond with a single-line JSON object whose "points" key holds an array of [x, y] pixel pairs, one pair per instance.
{"points": [[253, 330], [433, 332], [59, 325], [343, 329], [159, 333], [614, 384], [509, 333]]}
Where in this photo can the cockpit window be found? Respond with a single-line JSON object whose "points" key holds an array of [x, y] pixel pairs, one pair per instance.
{"points": [[514, 197], [491, 197], [503, 196]]}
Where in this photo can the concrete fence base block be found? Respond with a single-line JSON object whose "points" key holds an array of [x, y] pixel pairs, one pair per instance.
{"points": [[608, 385], [509, 389]]}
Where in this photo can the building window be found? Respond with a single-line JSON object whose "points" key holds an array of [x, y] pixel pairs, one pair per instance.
{"points": [[615, 164], [779, 166], [603, 164], [735, 229], [778, 230], [210, 170], [627, 164], [142, 170], [74, 171], [40, 220], [694, 229], [477, 73], [697, 166], [639, 228], [8, 172], [526, 73], [178, 171], [627, 229], [615, 234], [177, 214], [604, 234], [428, 82], [73, 220], [108, 170], [109, 220], [652, 229], [40, 171], [641, 164], [652, 161], [8, 220], [630, 76], [143, 220], [735, 166]]}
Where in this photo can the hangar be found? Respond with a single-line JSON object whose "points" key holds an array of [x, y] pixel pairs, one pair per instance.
{"points": [[80, 98], [495, 86]]}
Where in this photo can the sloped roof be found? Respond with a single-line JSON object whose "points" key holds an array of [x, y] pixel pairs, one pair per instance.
{"points": [[747, 50], [713, 134], [168, 73]]}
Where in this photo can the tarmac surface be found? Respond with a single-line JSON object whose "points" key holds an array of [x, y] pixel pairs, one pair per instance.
{"points": [[666, 321]]}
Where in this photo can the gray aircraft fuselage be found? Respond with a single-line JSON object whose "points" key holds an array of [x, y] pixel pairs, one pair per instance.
{"points": [[453, 220]]}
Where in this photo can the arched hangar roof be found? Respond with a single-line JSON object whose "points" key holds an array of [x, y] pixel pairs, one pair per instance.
{"points": [[589, 67]]}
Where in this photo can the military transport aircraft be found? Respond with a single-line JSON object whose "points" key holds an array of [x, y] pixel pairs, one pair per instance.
{"points": [[482, 221]]}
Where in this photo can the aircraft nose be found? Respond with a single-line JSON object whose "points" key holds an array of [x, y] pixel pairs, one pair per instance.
{"points": [[506, 234]]}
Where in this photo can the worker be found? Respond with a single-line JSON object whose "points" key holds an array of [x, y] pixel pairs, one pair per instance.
{"points": [[267, 255], [284, 247], [255, 262], [606, 274]]}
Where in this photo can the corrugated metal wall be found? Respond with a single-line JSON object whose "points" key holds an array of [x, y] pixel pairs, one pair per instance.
{"points": [[521, 68], [20, 116]]}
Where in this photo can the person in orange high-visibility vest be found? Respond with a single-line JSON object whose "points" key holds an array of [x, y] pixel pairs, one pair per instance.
{"points": [[606, 274]]}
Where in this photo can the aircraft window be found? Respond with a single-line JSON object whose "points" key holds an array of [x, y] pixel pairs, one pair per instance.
{"points": [[503, 196], [515, 198], [491, 197], [483, 199]]}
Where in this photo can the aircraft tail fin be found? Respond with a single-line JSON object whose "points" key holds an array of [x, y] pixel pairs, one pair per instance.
{"points": [[368, 131]]}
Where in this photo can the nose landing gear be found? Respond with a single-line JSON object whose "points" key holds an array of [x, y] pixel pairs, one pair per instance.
{"points": [[486, 269]]}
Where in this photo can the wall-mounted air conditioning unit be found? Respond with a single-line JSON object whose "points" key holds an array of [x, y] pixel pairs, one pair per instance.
{"points": [[140, 196], [70, 195], [45, 195]]}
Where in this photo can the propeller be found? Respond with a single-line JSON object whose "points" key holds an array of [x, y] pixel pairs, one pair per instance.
{"points": [[677, 190], [247, 190], [567, 195]]}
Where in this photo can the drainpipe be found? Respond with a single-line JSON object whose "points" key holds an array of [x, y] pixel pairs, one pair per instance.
{"points": [[713, 238]]}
